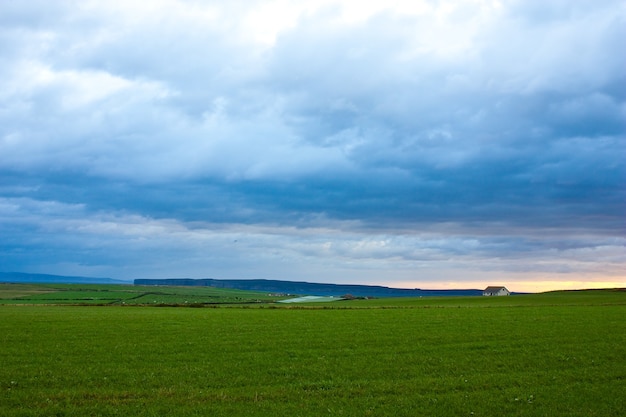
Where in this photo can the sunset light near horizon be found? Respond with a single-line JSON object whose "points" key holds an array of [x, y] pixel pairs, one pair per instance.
{"points": [[413, 144]]}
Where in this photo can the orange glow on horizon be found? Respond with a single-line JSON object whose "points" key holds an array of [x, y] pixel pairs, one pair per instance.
{"points": [[514, 285]]}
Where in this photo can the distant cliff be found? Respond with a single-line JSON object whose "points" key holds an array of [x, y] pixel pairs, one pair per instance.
{"points": [[306, 288]]}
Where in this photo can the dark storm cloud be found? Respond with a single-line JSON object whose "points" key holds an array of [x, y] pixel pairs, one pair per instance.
{"points": [[470, 132]]}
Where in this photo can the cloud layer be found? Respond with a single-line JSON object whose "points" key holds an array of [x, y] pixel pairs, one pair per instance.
{"points": [[404, 143]]}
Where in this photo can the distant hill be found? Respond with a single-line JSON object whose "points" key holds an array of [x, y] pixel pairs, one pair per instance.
{"points": [[308, 288], [55, 279], [263, 285]]}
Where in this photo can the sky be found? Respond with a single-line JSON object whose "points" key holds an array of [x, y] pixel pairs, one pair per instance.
{"points": [[432, 144]]}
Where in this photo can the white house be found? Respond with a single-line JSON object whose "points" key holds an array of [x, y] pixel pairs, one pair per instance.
{"points": [[493, 291]]}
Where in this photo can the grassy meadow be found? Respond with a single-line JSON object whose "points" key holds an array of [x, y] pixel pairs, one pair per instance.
{"points": [[111, 294], [553, 354]]}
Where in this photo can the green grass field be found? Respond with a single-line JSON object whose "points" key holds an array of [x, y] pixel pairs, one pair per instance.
{"points": [[91, 294], [554, 354]]}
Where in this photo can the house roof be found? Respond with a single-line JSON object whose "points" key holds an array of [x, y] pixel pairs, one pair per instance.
{"points": [[494, 289]]}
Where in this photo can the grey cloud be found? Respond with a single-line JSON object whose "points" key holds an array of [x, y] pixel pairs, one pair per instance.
{"points": [[500, 123], [68, 236]]}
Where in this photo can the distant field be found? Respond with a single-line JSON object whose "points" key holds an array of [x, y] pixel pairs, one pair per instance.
{"points": [[14, 291], [111, 294], [553, 354]]}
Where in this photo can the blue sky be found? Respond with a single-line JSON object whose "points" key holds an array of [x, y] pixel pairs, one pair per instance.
{"points": [[433, 144]]}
